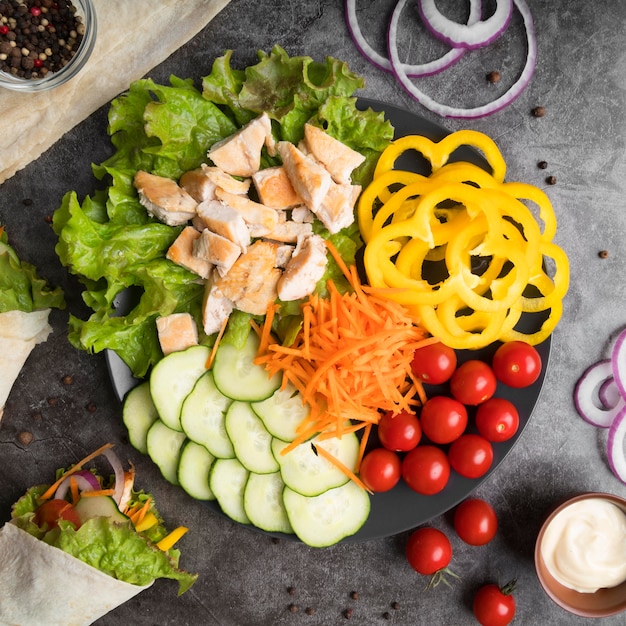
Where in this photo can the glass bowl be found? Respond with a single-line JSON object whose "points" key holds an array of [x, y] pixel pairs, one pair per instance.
{"points": [[86, 11], [601, 603]]}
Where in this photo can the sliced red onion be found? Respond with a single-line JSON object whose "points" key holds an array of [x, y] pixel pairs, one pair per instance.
{"points": [[458, 112], [411, 70], [85, 481], [615, 445], [119, 474], [618, 361], [468, 36], [608, 393], [586, 398]]}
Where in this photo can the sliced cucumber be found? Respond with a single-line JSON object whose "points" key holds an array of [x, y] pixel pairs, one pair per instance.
{"points": [[171, 380], [310, 474], [202, 417], [228, 481], [236, 375], [251, 441], [194, 467], [164, 446], [99, 506], [326, 519], [263, 503], [282, 412], [138, 414]]}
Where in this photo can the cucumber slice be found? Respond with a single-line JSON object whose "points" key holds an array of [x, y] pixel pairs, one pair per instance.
{"points": [[202, 417], [309, 474], [99, 506], [194, 467], [228, 481], [236, 375], [138, 414], [251, 441], [263, 503], [282, 412], [326, 519], [171, 380], [164, 446]]}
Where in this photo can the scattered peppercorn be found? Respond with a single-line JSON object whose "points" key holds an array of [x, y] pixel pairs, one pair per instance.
{"points": [[67, 380], [309, 610], [386, 615], [37, 416], [48, 219], [53, 401], [494, 77], [291, 591], [551, 180], [542, 165], [294, 608], [27, 202], [275, 540], [354, 595], [603, 254], [347, 613], [538, 111], [25, 438], [38, 36], [91, 407], [395, 606]]}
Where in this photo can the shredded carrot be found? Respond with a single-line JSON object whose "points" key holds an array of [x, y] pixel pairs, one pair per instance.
{"points": [[139, 511], [97, 492], [339, 465], [53, 487], [74, 489], [351, 360], [209, 362]]}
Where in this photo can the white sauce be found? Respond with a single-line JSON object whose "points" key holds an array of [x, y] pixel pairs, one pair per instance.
{"points": [[584, 546]]}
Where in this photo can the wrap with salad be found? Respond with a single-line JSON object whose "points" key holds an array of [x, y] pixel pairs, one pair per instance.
{"points": [[81, 546], [25, 304]]}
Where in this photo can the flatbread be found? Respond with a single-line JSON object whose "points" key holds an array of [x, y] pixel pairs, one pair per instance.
{"points": [[44, 586], [133, 37], [20, 332]]}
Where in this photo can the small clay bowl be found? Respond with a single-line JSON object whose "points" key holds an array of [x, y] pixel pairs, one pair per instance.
{"points": [[602, 603]]}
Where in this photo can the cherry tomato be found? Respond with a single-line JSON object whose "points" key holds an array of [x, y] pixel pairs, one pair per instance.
{"points": [[434, 364], [517, 364], [473, 382], [399, 432], [497, 419], [471, 455], [50, 512], [380, 469], [443, 419], [475, 522], [426, 469], [428, 551], [495, 606]]}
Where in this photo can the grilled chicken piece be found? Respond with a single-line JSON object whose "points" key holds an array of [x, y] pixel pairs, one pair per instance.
{"points": [[240, 154], [217, 250], [164, 199], [283, 254], [288, 231], [310, 180], [274, 189], [251, 282], [177, 331], [337, 208], [216, 307], [259, 218], [304, 270], [202, 182], [339, 159], [181, 252], [225, 221], [302, 215]]}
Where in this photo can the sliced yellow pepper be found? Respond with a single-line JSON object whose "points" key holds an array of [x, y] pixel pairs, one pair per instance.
{"points": [[171, 539]]}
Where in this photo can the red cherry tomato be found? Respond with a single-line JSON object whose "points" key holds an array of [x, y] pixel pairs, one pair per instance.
{"points": [[426, 470], [428, 551], [443, 419], [517, 364], [497, 419], [50, 512], [380, 469], [473, 382], [495, 606], [475, 522], [399, 432], [434, 364], [470, 455]]}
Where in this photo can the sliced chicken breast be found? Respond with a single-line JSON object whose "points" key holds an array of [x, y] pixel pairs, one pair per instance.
{"points": [[259, 218], [225, 221], [216, 307], [217, 250], [164, 199], [274, 188], [337, 208], [181, 252], [176, 332], [304, 270]]}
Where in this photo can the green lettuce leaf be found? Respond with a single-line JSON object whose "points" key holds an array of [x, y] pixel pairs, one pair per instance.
{"points": [[21, 288]]}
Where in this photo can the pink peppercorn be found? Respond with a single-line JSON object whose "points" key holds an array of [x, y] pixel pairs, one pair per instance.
{"points": [[35, 11], [4, 29]]}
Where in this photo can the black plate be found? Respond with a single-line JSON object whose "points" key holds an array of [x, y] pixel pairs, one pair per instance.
{"points": [[402, 509]]}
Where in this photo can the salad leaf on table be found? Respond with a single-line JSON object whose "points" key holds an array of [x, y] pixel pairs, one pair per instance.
{"points": [[112, 244]]}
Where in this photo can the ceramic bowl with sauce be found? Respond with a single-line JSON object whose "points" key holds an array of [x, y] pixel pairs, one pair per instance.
{"points": [[580, 555]]}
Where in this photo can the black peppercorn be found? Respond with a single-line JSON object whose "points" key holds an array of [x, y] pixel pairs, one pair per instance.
{"points": [[551, 180], [542, 165], [347, 613]]}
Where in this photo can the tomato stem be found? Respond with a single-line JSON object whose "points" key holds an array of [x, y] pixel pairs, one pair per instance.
{"points": [[509, 588]]}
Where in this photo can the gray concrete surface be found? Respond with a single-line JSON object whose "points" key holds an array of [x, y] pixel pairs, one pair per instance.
{"points": [[244, 575]]}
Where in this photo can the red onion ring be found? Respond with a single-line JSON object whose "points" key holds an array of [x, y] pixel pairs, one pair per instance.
{"points": [[608, 393], [411, 70], [85, 480], [119, 474], [618, 362], [457, 112], [469, 36], [615, 445]]}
